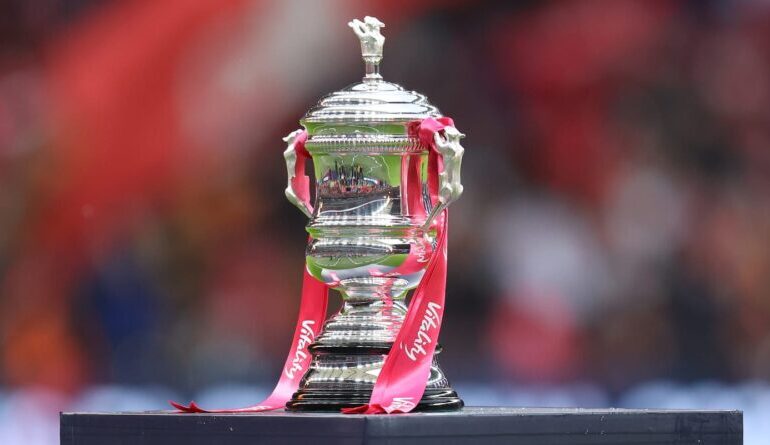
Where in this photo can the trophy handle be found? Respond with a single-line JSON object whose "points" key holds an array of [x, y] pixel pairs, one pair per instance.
{"points": [[298, 187], [449, 186]]}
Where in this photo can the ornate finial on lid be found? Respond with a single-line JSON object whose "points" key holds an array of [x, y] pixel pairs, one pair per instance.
{"points": [[372, 42]]}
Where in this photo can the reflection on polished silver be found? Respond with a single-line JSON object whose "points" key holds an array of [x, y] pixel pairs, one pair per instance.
{"points": [[450, 187], [290, 154], [370, 225], [361, 103]]}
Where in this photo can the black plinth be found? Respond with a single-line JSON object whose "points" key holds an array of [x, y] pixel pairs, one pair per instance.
{"points": [[535, 426]]}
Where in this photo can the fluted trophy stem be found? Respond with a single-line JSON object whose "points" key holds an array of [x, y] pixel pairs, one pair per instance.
{"points": [[372, 71], [372, 320]]}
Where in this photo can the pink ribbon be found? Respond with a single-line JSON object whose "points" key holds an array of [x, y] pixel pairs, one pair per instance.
{"points": [[404, 375], [300, 183]]}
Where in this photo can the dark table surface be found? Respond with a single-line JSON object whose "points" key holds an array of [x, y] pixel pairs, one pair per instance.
{"points": [[474, 425]]}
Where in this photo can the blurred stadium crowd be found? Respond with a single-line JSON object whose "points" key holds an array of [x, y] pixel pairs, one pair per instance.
{"points": [[615, 228]]}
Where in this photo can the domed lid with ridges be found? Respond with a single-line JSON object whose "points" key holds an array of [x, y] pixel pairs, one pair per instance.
{"points": [[373, 99]]}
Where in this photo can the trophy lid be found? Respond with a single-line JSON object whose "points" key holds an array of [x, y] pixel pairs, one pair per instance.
{"points": [[372, 99]]}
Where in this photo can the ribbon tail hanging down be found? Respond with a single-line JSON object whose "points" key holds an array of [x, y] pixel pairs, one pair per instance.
{"points": [[403, 378], [404, 375]]}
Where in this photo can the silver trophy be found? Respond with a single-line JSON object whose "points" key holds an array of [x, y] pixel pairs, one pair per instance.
{"points": [[372, 208]]}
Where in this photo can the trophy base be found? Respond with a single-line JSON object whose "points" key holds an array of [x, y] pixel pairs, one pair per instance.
{"points": [[470, 426], [343, 377], [334, 401]]}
